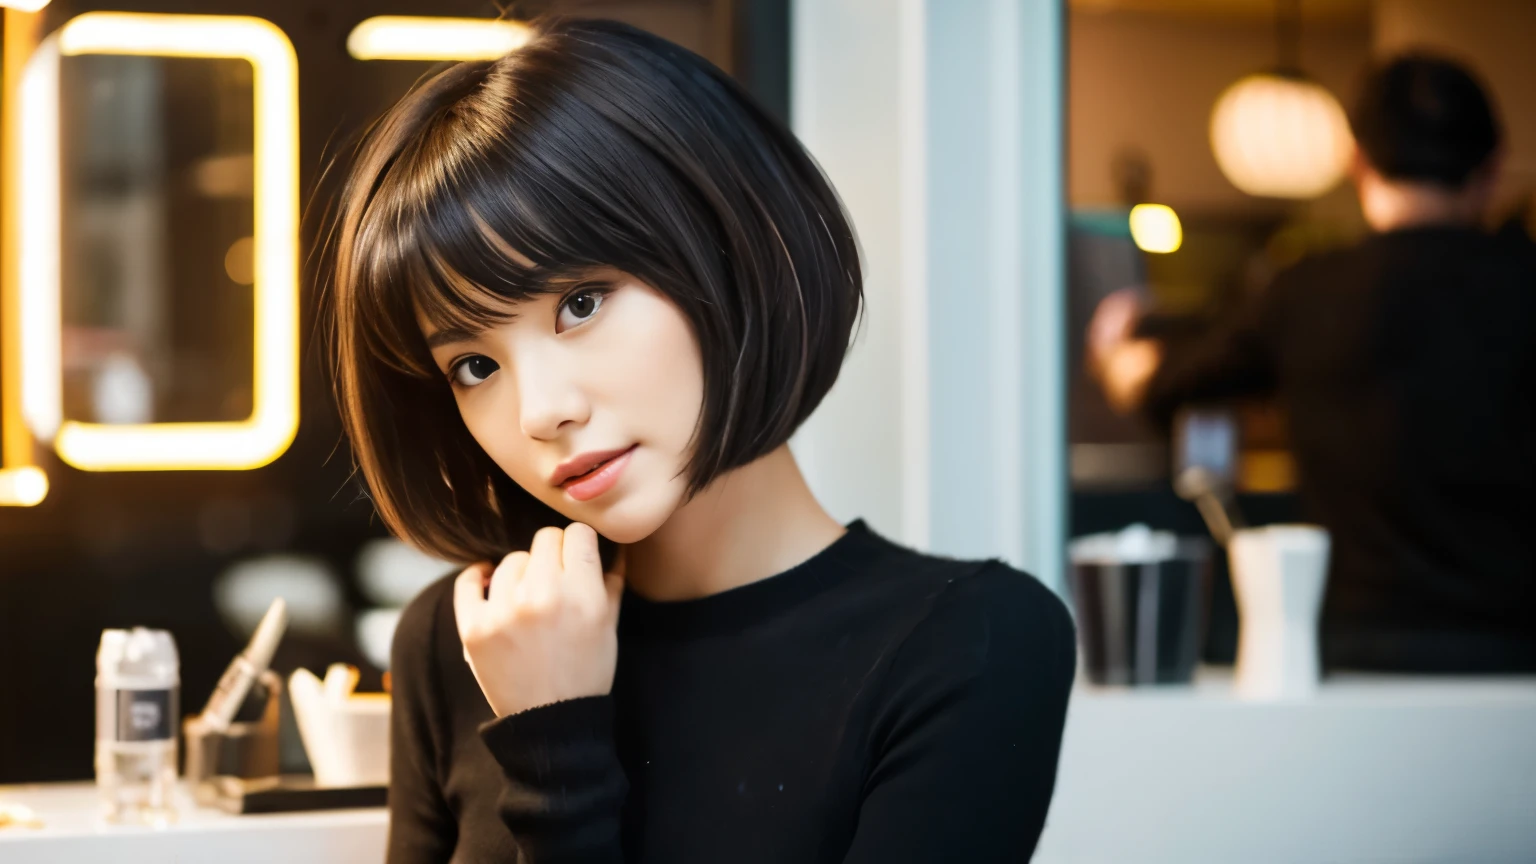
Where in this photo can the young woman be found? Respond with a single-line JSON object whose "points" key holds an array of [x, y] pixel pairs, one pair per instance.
{"points": [[584, 295]]}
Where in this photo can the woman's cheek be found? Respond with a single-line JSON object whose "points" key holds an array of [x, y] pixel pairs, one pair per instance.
{"points": [[484, 430]]}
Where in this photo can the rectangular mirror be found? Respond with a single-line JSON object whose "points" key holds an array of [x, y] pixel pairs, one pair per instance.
{"points": [[156, 267]]}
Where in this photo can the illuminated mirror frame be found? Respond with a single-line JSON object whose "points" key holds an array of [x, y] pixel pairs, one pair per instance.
{"points": [[22, 484], [274, 419]]}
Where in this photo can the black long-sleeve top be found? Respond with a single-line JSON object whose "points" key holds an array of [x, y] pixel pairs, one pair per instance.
{"points": [[872, 704], [1407, 367]]}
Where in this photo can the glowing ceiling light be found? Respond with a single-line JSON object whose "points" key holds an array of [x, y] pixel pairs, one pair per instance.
{"points": [[1280, 136], [1156, 228], [402, 37], [274, 419], [25, 487]]}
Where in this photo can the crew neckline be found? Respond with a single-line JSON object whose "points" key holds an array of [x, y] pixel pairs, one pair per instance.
{"points": [[740, 607]]}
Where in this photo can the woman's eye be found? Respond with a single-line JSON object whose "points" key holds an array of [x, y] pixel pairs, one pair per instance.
{"points": [[473, 370], [578, 308]]}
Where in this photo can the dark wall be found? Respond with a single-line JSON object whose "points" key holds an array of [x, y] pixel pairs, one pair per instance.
{"points": [[125, 549]]}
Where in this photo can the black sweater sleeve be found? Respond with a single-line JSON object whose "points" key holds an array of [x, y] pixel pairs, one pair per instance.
{"points": [[969, 725], [564, 789], [422, 829], [1233, 359]]}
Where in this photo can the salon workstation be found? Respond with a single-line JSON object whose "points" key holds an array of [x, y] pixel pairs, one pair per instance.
{"points": [[1172, 501]]}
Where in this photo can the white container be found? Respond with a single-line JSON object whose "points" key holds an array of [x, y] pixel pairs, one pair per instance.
{"points": [[138, 705], [1278, 576], [347, 738]]}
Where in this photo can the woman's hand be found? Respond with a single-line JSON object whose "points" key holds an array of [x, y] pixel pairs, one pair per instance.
{"points": [[547, 629]]}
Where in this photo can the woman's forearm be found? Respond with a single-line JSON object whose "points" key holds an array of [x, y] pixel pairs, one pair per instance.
{"points": [[564, 791]]}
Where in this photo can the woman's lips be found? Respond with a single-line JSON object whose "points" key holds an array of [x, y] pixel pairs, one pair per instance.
{"points": [[599, 480], [576, 466]]}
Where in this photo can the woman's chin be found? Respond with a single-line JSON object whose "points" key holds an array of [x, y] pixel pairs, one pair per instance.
{"points": [[628, 520]]}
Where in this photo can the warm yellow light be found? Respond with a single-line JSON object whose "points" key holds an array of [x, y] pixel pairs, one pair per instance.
{"points": [[21, 484], [1280, 137], [23, 487], [403, 37], [23, 5], [274, 419], [240, 261], [172, 446], [38, 250], [1156, 228]]}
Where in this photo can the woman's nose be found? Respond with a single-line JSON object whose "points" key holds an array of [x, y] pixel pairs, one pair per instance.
{"points": [[548, 401]]}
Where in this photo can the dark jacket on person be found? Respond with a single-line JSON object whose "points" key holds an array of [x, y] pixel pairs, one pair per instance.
{"points": [[1407, 368]]}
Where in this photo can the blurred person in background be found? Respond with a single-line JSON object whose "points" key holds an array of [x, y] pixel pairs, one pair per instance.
{"points": [[1407, 367]]}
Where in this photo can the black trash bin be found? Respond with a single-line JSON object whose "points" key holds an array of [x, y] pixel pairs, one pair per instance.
{"points": [[1142, 621]]}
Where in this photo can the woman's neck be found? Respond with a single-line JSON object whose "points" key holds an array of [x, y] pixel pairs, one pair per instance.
{"points": [[749, 524]]}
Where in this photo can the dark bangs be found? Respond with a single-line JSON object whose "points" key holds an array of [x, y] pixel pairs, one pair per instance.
{"points": [[596, 145], [452, 233]]}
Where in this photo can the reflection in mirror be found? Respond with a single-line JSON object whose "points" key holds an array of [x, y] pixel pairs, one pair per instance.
{"points": [[157, 206]]}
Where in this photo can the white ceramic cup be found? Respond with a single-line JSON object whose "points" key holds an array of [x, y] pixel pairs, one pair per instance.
{"points": [[360, 755], [347, 739], [1278, 576]]}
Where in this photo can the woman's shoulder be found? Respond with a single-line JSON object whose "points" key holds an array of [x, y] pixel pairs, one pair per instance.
{"points": [[993, 654], [982, 619], [427, 662], [970, 592], [1007, 605], [427, 627]]}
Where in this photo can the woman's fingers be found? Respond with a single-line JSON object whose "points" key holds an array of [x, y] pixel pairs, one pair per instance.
{"points": [[541, 580], [545, 548], [469, 596], [613, 583], [547, 632], [583, 565], [507, 575], [469, 590], [579, 549]]}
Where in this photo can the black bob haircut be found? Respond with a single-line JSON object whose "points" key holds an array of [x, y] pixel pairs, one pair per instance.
{"points": [[596, 145], [1425, 118]]}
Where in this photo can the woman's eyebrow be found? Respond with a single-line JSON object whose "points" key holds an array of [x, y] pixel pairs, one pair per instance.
{"points": [[451, 336]]}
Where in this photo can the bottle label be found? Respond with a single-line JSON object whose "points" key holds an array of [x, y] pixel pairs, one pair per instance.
{"points": [[136, 715]]}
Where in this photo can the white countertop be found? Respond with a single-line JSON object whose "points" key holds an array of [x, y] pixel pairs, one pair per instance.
{"points": [[1374, 768], [73, 831]]}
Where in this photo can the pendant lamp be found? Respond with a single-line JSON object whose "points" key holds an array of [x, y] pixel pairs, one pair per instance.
{"points": [[1278, 134]]}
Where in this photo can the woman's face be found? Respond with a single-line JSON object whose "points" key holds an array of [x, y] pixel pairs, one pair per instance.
{"points": [[605, 371]]}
